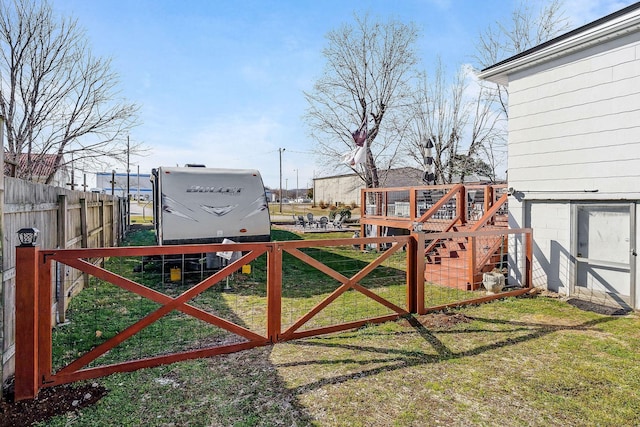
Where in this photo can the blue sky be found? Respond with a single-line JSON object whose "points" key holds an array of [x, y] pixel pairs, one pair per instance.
{"points": [[221, 82]]}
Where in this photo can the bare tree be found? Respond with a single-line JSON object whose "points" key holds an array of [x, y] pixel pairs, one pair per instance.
{"points": [[456, 117], [439, 116], [485, 133], [57, 98], [364, 85], [527, 28]]}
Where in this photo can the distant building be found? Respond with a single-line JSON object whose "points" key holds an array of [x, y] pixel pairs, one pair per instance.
{"points": [[37, 168], [139, 184], [345, 189]]}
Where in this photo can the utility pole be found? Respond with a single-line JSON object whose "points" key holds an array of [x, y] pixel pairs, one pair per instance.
{"points": [[128, 187], [297, 185], [280, 150], [113, 181], [138, 184]]}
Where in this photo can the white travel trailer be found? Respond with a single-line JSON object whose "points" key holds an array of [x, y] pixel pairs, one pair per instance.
{"points": [[204, 205]]}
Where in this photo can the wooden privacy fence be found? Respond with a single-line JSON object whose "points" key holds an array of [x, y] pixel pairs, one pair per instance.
{"points": [[265, 293], [66, 219]]}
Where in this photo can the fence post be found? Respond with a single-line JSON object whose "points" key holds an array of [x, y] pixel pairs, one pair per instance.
{"points": [[528, 269], [412, 273], [419, 257], [61, 294], [27, 382], [274, 291], [471, 262]]}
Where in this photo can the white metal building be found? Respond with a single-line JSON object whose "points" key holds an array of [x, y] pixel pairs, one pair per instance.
{"points": [[139, 184], [574, 156], [345, 189]]}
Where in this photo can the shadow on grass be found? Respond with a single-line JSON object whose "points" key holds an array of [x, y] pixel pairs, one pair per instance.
{"points": [[402, 359]]}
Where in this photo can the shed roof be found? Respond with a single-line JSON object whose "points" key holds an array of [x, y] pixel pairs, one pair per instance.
{"points": [[35, 165]]}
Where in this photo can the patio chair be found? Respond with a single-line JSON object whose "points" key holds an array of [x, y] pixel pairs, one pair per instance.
{"points": [[300, 220], [338, 220], [310, 220], [323, 221]]}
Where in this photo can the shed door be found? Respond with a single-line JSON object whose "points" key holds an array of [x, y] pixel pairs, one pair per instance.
{"points": [[604, 252]]}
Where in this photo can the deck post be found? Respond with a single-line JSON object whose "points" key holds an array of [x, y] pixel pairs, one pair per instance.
{"points": [[461, 205], [488, 199], [27, 383]]}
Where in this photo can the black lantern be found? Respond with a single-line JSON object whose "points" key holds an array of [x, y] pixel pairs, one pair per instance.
{"points": [[28, 236]]}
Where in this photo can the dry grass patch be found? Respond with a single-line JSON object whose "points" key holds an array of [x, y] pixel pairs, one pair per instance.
{"points": [[497, 364]]}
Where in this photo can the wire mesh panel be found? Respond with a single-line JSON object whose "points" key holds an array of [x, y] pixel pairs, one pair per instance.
{"points": [[429, 197], [167, 304], [463, 266], [327, 286], [476, 203], [502, 216]]}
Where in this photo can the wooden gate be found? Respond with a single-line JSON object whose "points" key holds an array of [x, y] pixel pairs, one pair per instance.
{"points": [[374, 285], [34, 368]]}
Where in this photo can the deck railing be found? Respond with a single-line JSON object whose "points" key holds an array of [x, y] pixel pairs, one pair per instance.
{"points": [[436, 206]]}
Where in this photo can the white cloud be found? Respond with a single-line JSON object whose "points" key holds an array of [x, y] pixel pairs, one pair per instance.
{"points": [[582, 12], [239, 143]]}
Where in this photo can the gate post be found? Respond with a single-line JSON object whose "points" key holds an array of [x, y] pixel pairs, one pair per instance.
{"points": [[412, 273], [416, 271], [473, 243], [274, 291], [27, 383]]}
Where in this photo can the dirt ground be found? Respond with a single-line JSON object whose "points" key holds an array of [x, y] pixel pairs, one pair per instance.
{"points": [[50, 402]]}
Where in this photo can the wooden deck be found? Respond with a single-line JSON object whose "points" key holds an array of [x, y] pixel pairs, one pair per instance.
{"points": [[456, 262]]}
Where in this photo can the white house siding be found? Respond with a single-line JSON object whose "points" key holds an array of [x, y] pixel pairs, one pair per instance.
{"points": [[574, 137], [574, 124], [552, 263]]}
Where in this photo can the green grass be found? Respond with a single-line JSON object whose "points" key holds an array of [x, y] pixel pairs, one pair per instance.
{"points": [[505, 365], [533, 361]]}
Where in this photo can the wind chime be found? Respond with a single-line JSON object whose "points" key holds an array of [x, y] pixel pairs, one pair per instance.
{"points": [[429, 176]]}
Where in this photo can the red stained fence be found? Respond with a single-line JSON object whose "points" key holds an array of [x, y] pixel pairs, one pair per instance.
{"points": [[387, 280]]}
